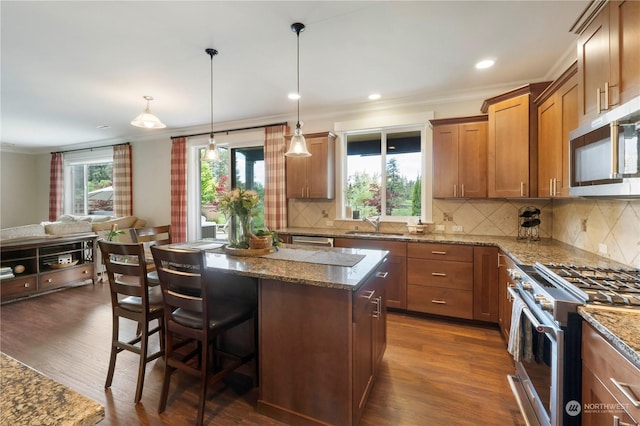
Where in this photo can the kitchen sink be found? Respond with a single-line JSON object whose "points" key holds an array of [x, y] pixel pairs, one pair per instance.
{"points": [[374, 234]]}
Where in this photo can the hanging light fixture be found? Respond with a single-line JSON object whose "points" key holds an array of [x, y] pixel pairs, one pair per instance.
{"points": [[212, 151], [146, 119], [298, 146]]}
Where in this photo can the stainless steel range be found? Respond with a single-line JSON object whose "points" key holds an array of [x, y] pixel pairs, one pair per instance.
{"points": [[545, 337]]}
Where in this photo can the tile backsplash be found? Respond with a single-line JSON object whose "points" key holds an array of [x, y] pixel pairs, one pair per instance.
{"points": [[610, 228]]}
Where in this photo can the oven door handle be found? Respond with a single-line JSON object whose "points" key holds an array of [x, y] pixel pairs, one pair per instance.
{"points": [[540, 328]]}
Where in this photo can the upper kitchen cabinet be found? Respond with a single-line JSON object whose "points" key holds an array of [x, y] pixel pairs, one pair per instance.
{"points": [[313, 177], [460, 157], [557, 116], [609, 59], [512, 147]]}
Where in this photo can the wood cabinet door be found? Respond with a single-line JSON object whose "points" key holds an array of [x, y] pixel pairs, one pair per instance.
{"points": [[320, 169], [593, 65], [549, 145], [445, 160], [297, 177], [485, 284], [505, 303], [363, 356], [569, 101], [624, 24], [472, 160], [508, 148]]}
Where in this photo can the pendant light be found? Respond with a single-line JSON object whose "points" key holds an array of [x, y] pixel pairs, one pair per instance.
{"points": [[212, 151], [298, 146], [146, 119]]}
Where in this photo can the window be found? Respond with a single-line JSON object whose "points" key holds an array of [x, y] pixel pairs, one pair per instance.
{"points": [[88, 182], [249, 173], [384, 173]]}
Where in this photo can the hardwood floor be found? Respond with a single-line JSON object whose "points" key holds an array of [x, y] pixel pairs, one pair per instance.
{"points": [[434, 372]]}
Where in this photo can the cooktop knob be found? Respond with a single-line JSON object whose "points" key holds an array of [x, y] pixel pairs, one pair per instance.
{"points": [[527, 285], [546, 305], [514, 274]]}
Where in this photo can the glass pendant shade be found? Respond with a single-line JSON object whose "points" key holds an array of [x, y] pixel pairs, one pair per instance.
{"points": [[212, 151], [298, 145], [148, 120]]}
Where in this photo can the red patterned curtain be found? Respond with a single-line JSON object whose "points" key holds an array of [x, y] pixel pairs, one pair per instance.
{"points": [[122, 182], [179, 190], [275, 191], [55, 186]]}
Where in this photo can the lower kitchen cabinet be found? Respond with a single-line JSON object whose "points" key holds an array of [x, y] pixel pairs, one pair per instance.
{"points": [[485, 284], [505, 302], [610, 383], [396, 266], [440, 279]]}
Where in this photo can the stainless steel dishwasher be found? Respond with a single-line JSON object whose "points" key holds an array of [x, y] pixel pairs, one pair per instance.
{"points": [[304, 240]]}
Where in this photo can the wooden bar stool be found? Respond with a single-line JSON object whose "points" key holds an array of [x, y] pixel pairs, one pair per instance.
{"points": [[132, 298], [193, 315], [149, 236]]}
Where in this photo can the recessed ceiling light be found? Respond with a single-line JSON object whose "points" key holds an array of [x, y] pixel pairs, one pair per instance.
{"points": [[103, 126], [374, 96], [486, 63], [293, 96]]}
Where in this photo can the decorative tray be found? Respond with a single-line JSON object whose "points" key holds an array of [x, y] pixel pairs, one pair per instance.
{"points": [[63, 265], [248, 252]]}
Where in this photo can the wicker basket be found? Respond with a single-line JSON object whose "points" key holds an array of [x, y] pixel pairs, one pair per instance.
{"points": [[261, 242]]}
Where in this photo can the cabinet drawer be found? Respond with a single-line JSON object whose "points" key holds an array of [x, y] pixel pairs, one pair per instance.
{"points": [[456, 275], [615, 372], [18, 286], [54, 279], [440, 301], [440, 252], [395, 248]]}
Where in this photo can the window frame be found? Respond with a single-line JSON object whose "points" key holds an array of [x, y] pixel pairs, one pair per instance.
{"points": [[84, 158], [425, 167]]}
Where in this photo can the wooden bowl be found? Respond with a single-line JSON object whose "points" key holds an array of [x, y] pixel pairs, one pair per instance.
{"points": [[262, 242]]}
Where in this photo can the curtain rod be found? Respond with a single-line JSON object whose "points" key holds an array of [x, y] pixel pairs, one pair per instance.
{"points": [[231, 130], [90, 149]]}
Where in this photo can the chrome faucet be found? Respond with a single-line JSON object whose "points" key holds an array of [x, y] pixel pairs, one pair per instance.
{"points": [[375, 222]]}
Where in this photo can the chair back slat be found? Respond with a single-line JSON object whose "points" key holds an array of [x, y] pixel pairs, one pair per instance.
{"points": [[154, 235], [126, 269], [180, 272]]}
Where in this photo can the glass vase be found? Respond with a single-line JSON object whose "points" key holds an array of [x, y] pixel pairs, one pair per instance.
{"points": [[241, 230]]}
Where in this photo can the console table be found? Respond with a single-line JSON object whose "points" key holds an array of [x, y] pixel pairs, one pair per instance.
{"points": [[44, 264]]}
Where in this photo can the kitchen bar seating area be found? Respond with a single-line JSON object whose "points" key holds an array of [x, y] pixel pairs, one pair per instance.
{"points": [[427, 371]]}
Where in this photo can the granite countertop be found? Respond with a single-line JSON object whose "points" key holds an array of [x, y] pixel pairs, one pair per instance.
{"points": [[28, 397], [621, 327], [522, 252], [298, 265]]}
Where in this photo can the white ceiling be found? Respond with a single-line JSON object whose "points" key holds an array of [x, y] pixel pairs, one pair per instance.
{"points": [[70, 66]]}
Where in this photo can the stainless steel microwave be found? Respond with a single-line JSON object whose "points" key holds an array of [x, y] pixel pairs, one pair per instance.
{"points": [[604, 158]]}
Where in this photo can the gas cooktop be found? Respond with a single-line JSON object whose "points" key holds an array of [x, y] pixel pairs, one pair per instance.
{"points": [[599, 285]]}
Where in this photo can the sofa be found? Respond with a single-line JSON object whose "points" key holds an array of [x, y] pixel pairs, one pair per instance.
{"points": [[73, 224]]}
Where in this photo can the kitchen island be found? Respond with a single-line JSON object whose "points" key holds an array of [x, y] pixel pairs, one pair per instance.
{"points": [[321, 326]]}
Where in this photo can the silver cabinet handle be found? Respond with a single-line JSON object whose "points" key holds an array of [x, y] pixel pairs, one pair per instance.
{"points": [[378, 312], [555, 187], [522, 189], [438, 274], [625, 388], [49, 280], [370, 295], [598, 107], [438, 252], [462, 190], [455, 190], [26, 285], [617, 422], [615, 171], [382, 274], [551, 187], [438, 302]]}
